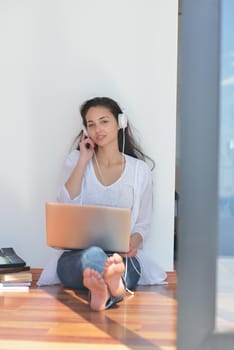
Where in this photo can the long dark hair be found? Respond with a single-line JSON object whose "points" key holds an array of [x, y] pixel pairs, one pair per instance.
{"points": [[131, 148]]}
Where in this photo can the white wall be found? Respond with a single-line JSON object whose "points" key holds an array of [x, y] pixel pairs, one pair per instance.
{"points": [[55, 54]]}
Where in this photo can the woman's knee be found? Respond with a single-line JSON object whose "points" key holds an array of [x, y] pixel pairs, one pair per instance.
{"points": [[94, 257], [69, 269]]}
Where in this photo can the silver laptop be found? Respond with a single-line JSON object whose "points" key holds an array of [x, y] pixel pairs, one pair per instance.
{"points": [[73, 226]]}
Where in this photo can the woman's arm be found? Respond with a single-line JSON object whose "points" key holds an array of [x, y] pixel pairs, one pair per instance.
{"points": [[143, 206], [74, 182], [73, 172]]}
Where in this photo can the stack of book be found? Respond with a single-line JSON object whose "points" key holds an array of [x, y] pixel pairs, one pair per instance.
{"points": [[15, 275], [15, 281]]}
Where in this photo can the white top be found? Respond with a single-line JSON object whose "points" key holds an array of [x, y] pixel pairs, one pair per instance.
{"points": [[132, 190]]}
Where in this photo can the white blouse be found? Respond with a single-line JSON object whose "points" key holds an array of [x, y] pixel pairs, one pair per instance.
{"points": [[132, 190]]}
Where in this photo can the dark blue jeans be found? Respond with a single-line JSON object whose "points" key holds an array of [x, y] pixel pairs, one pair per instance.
{"points": [[72, 264]]}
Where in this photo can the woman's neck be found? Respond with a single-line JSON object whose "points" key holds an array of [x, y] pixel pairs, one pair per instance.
{"points": [[107, 157], [108, 165]]}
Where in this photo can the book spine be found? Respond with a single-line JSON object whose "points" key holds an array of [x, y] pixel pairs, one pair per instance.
{"points": [[15, 284], [13, 289], [16, 277]]}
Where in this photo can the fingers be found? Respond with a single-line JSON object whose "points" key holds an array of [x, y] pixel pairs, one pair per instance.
{"points": [[132, 252], [86, 143]]}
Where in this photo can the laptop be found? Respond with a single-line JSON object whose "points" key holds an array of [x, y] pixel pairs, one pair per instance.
{"points": [[9, 258], [73, 226]]}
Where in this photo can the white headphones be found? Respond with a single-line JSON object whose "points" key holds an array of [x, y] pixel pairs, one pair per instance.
{"points": [[122, 120]]}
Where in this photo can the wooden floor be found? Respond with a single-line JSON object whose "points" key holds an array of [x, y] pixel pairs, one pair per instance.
{"points": [[53, 318]]}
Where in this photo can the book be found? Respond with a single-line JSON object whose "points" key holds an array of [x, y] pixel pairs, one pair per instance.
{"points": [[21, 276], [13, 269], [13, 288], [15, 284]]}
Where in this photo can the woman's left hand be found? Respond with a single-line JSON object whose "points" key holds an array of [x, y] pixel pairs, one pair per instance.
{"points": [[135, 242]]}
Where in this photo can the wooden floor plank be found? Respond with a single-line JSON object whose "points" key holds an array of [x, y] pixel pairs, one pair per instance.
{"points": [[54, 318]]}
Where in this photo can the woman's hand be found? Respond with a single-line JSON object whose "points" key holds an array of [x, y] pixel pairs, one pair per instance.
{"points": [[135, 242], [86, 147]]}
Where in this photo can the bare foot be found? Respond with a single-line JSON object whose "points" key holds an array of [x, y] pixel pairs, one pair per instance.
{"points": [[113, 269], [98, 289]]}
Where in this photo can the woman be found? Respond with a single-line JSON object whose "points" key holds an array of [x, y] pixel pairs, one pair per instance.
{"points": [[108, 169]]}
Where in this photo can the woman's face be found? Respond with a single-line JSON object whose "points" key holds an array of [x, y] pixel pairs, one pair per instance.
{"points": [[102, 126]]}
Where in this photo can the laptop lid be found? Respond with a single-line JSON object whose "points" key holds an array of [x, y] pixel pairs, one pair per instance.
{"points": [[73, 226]]}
